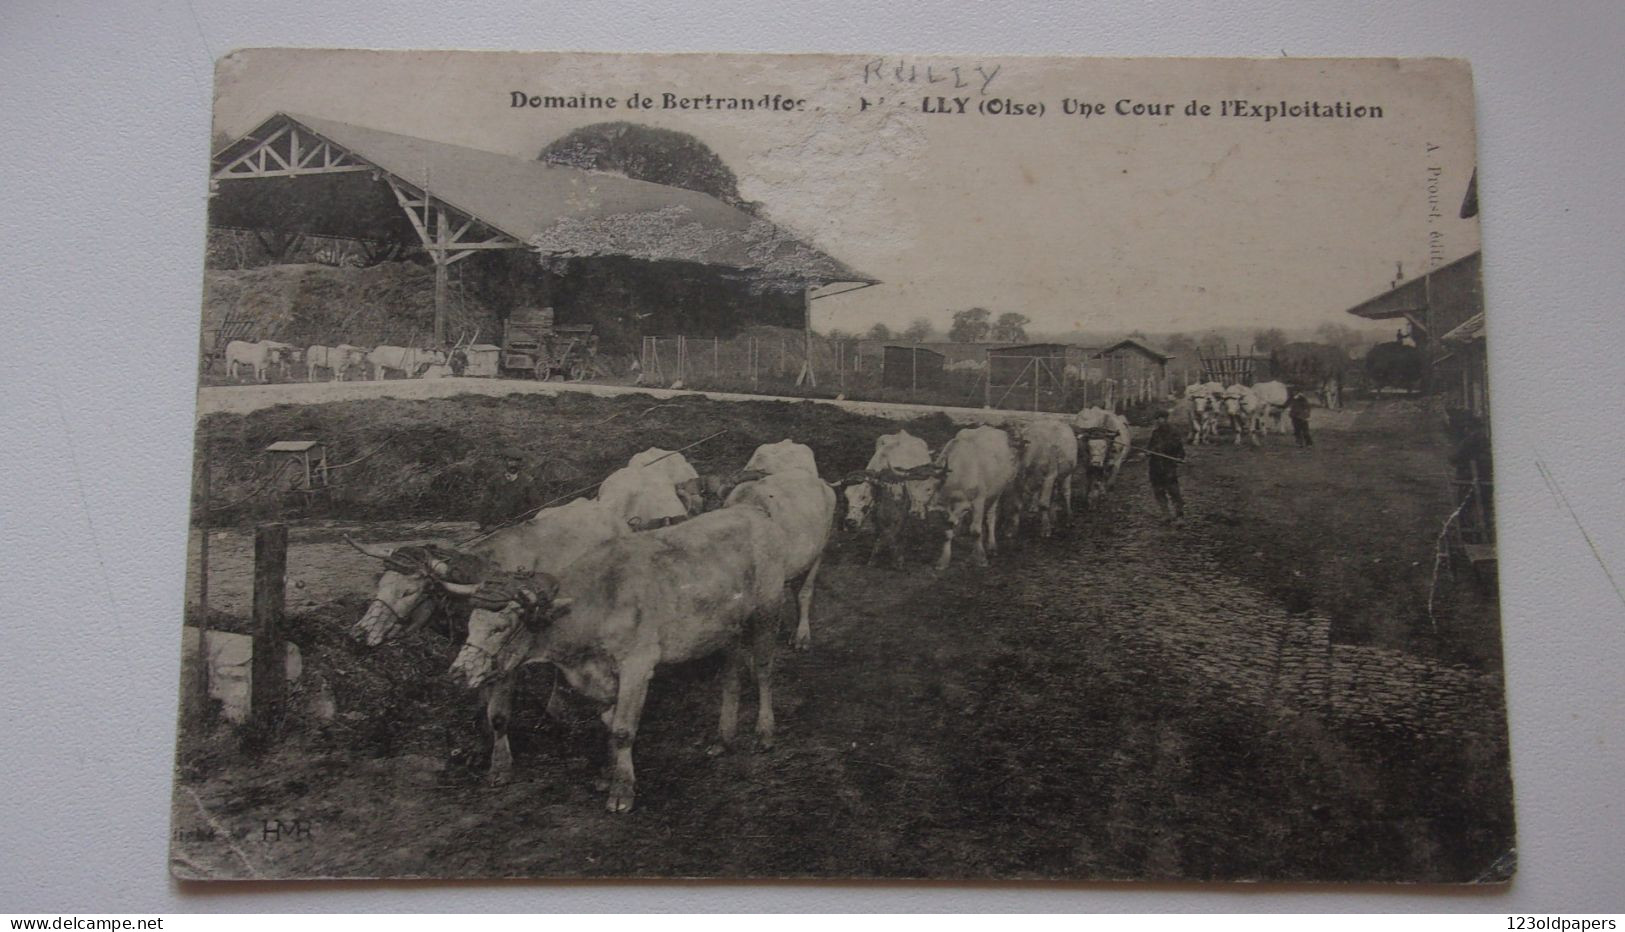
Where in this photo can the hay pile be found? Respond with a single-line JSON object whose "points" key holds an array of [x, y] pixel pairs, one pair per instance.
{"points": [[434, 459], [309, 303]]}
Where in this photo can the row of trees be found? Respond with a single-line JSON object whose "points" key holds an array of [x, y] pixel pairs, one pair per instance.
{"points": [[978, 325], [973, 325]]}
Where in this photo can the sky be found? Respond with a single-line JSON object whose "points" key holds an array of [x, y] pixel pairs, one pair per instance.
{"points": [[1090, 220]]}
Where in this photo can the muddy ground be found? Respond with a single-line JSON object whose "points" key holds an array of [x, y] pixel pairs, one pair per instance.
{"points": [[1258, 693]]}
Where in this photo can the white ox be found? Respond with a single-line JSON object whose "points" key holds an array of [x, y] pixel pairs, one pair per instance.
{"points": [[406, 360], [645, 495], [1203, 411], [676, 470], [1273, 396], [259, 357], [338, 359], [896, 484], [1244, 411], [1108, 442], [979, 467], [632, 604], [802, 507], [784, 456], [416, 583], [1048, 455]]}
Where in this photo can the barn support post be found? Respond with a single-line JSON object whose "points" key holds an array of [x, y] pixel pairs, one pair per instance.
{"points": [[716, 357], [440, 292], [266, 685], [914, 368]]}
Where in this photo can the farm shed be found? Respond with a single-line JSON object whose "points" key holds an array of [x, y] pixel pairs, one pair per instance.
{"points": [[1138, 369], [1033, 372], [296, 174], [1433, 304], [910, 367]]}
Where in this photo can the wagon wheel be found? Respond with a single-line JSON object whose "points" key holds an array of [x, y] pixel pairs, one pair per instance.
{"points": [[578, 371], [544, 371], [458, 362]]}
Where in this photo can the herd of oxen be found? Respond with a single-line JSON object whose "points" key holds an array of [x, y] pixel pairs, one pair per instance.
{"points": [[1248, 410], [260, 357], [666, 565]]}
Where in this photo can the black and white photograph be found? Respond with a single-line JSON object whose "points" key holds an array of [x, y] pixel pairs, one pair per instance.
{"points": [[841, 467]]}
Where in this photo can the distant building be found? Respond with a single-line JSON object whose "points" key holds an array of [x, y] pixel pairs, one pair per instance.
{"points": [[1139, 369], [910, 367]]}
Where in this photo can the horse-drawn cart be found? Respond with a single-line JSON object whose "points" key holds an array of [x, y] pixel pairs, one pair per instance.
{"points": [[532, 345]]}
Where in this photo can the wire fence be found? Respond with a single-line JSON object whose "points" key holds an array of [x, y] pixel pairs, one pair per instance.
{"points": [[815, 366]]}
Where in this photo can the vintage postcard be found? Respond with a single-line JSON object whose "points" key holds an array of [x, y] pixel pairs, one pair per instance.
{"points": [[842, 466]]}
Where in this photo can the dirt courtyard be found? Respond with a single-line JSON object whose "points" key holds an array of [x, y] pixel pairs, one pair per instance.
{"points": [[1261, 692]]}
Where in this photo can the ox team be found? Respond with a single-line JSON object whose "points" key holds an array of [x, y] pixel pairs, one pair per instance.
{"points": [[256, 359], [665, 565]]}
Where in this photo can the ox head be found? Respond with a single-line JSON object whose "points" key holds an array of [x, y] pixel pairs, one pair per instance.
{"points": [[509, 612], [413, 581], [1231, 404], [857, 494]]}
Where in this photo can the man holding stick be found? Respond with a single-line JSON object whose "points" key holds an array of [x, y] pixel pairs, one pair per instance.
{"points": [[1165, 452]]}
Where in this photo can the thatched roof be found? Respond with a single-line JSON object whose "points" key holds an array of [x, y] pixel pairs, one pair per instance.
{"points": [[569, 212]]}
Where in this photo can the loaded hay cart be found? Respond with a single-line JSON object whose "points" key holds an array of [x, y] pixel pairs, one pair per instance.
{"points": [[532, 345]]}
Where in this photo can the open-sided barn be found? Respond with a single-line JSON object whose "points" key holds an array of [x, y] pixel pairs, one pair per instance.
{"points": [[576, 232]]}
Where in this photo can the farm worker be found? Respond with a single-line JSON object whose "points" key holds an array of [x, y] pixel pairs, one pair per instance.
{"points": [[513, 495], [1298, 409], [1167, 452]]}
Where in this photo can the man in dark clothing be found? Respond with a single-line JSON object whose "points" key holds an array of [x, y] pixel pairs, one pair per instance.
{"points": [[512, 495], [1167, 452], [1298, 408]]}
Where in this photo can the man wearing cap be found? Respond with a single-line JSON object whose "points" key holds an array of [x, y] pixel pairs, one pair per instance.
{"points": [[1167, 452], [1298, 410], [511, 496]]}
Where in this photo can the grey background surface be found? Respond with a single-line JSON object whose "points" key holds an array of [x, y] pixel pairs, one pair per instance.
{"points": [[102, 179]]}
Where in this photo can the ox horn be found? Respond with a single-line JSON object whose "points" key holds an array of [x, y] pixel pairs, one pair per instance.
{"points": [[377, 553], [463, 589]]}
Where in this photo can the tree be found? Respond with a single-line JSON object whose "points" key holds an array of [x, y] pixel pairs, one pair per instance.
{"points": [[1213, 344], [919, 330], [879, 332], [1270, 340], [648, 153], [1341, 336], [1180, 344], [1011, 328], [970, 325]]}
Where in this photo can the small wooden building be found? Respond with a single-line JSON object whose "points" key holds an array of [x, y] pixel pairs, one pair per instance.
{"points": [[910, 367], [1140, 371]]}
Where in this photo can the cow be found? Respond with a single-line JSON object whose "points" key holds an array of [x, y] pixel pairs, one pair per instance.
{"points": [[802, 507], [258, 356], [338, 359], [784, 456], [284, 355], [631, 604], [407, 360], [643, 498], [895, 485], [1272, 398], [1244, 412], [1108, 440], [1049, 455], [676, 470], [1203, 411], [979, 466], [412, 589]]}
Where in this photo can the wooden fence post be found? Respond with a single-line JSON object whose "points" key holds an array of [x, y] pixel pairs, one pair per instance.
{"points": [[716, 357], [267, 687]]}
